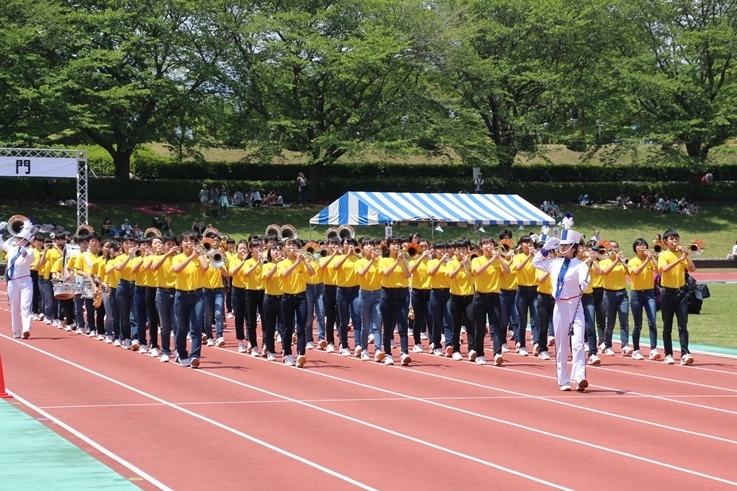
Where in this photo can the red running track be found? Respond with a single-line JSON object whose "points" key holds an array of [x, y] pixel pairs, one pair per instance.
{"points": [[340, 423]]}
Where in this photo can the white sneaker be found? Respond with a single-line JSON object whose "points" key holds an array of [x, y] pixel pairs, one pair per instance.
{"points": [[637, 355], [544, 355], [393, 344], [69, 328], [423, 336], [627, 351], [416, 348], [92, 334], [505, 349], [438, 352], [472, 355], [498, 360], [100, 337], [345, 352], [523, 352], [310, 346], [185, 362], [80, 331], [127, 344], [143, 350], [481, 360], [289, 361], [370, 339], [271, 357], [220, 342], [330, 348], [365, 356], [551, 342], [357, 352], [47, 322], [278, 338], [686, 359], [379, 356], [242, 347], [457, 356], [565, 388], [388, 360], [117, 343], [154, 353], [654, 354], [301, 360], [230, 315], [406, 360], [602, 347], [535, 349], [510, 335], [669, 360], [442, 339], [164, 358], [463, 329], [448, 351], [134, 345], [594, 360], [432, 347], [255, 352], [609, 352], [210, 342]]}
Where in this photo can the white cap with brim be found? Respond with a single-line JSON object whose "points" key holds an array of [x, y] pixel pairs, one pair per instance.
{"points": [[568, 236]]}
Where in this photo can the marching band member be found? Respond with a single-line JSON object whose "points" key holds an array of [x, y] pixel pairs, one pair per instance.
{"points": [[254, 279], [89, 254], [347, 297], [394, 301], [150, 284], [20, 257], [461, 298], [189, 301], [140, 284], [526, 293], [106, 310], [672, 264], [294, 271], [642, 297], [166, 281], [125, 290], [272, 299], [214, 299], [570, 278], [437, 270], [369, 281], [508, 299], [112, 279], [315, 311], [329, 297], [614, 270], [587, 301], [37, 243], [75, 267], [420, 293], [238, 285], [545, 305], [52, 252], [487, 271], [597, 282]]}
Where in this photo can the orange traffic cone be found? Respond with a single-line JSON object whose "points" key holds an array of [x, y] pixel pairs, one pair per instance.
{"points": [[3, 394]]}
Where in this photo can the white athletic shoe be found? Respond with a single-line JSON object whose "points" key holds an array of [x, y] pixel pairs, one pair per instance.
{"points": [[481, 360], [143, 350], [669, 360], [627, 351], [423, 336], [210, 342], [388, 360], [406, 360], [472, 355], [242, 347], [154, 353], [271, 357], [457, 356], [654, 354], [310, 346], [370, 339], [255, 352], [357, 352], [330, 348], [117, 343], [438, 352], [609, 352], [551, 342], [498, 360], [345, 352], [565, 388], [686, 359], [594, 360], [505, 349], [637, 355], [289, 361], [220, 342], [164, 358], [127, 344], [417, 348], [100, 337], [523, 352], [543, 355], [365, 356]]}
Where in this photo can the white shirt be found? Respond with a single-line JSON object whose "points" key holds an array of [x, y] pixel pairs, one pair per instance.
{"points": [[734, 250], [22, 265], [576, 279]]}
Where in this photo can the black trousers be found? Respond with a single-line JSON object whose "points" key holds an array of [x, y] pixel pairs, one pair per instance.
{"points": [[254, 302], [329, 300], [153, 316], [460, 307], [239, 310], [545, 305], [674, 302], [488, 304]]}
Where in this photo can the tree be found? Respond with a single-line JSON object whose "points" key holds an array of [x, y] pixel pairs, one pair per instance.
{"points": [[517, 68], [320, 77], [680, 82]]}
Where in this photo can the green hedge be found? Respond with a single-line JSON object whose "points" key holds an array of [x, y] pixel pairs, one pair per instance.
{"points": [[180, 190]]}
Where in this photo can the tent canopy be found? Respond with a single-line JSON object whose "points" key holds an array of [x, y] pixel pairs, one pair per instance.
{"points": [[366, 208]]}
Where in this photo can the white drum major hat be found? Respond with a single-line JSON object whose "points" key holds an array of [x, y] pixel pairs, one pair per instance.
{"points": [[568, 236]]}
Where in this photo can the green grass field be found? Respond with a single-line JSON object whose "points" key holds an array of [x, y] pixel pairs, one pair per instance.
{"points": [[715, 325], [713, 225]]}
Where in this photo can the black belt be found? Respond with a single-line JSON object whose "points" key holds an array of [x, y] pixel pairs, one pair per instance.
{"points": [[531, 287], [300, 294], [615, 291], [669, 289], [191, 292], [168, 290]]}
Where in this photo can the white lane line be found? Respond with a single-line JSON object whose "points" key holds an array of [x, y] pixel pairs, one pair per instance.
{"points": [[497, 420], [281, 451], [692, 367], [391, 432], [665, 379], [92, 443], [649, 396]]}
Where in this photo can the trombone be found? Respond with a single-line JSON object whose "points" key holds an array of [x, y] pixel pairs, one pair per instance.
{"points": [[696, 247], [410, 252]]}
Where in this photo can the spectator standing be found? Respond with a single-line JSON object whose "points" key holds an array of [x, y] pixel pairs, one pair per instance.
{"points": [[596, 236], [238, 198], [302, 183], [214, 200], [204, 199], [478, 184], [224, 201]]}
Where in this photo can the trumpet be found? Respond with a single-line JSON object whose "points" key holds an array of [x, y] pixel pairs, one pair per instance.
{"points": [[138, 253], [469, 259], [358, 251], [217, 260], [696, 247], [505, 247], [411, 251]]}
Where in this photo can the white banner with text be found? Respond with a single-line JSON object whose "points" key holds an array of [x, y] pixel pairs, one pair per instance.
{"points": [[38, 167]]}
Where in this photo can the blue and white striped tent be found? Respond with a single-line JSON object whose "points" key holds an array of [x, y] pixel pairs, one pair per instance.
{"points": [[366, 208]]}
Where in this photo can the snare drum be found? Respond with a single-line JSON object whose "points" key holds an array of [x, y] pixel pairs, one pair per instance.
{"points": [[87, 290], [63, 291], [78, 286]]}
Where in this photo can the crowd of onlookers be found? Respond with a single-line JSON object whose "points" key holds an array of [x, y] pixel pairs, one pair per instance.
{"points": [[660, 203]]}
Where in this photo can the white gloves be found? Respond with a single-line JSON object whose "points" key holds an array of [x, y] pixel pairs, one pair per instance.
{"points": [[551, 243]]}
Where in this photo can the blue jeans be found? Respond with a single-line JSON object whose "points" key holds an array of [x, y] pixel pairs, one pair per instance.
{"points": [[442, 320], [167, 317], [643, 300], [315, 309], [124, 298], [112, 316], [214, 300], [509, 314], [589, 307], [617, 304], [189, 307], [394, 304], [139, 314], [349, 304], [371, 317], [527, 302], [48, 294]]}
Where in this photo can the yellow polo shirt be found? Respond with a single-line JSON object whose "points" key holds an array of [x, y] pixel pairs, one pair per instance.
{"points": [[191, 277], [617, 277], [462, 283], [544, 286], [440, 279], [526, 275], [255, 280], [347, 276], [420, 279], [273, 285], [296, 281]]}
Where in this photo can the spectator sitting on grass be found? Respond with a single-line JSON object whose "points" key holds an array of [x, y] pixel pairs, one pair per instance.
{"points": [[107, 226], [733, 255], [255, 198], [238, 198]]}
